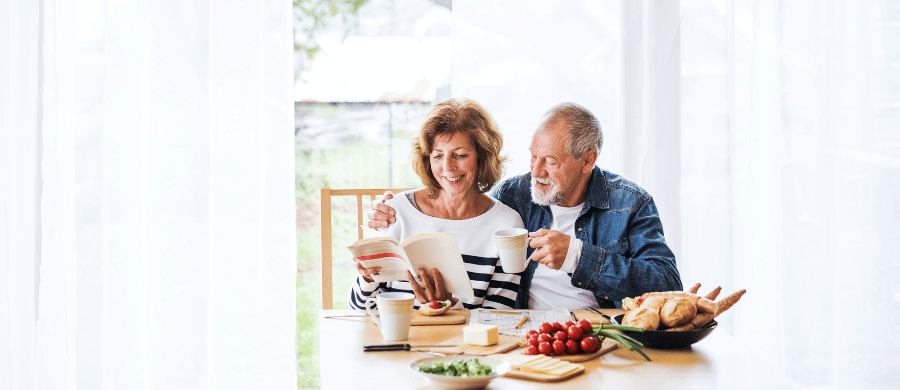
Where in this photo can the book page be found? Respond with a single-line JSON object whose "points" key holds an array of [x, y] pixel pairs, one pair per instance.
{"points": [[441, 251], [382, 252], [371, 233]]}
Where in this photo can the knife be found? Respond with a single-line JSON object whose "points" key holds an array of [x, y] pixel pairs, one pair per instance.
{"points": [[598, 312], [398, 347]]}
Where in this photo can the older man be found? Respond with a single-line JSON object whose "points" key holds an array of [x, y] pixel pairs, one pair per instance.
{"points": [[598, 236]]}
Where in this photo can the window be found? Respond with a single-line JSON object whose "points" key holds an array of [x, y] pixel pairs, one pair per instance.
{"points": [[366, 73]]}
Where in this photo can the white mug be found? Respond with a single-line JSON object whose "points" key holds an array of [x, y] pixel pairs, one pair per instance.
{"points": [[512, 245], [395, 310]]}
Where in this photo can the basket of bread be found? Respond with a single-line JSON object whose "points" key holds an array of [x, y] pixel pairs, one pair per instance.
{"points": [[674, 319]]}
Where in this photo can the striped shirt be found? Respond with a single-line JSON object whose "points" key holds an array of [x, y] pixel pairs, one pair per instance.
{"points": [[493, 288]]}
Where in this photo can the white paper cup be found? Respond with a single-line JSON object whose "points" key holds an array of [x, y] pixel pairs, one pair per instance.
{"points": [[395, 310], [512, 245]]}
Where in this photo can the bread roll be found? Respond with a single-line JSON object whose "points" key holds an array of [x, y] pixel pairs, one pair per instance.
{"points": [[694, 289], [729, 301], [714, 293], [677, 312], [642, 317], [670, 295], [707, 306], [683, 328], [654, 303], [629, 304], [702, 319]]}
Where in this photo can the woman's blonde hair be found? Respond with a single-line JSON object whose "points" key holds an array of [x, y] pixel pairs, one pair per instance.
{"points": [[460, 116]]}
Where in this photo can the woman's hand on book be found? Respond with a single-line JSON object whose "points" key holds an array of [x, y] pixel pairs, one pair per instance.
{"points": [[432, 286], [365, 272], [381, 215]]}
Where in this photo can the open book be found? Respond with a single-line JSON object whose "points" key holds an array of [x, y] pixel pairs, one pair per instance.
{"points": [[423, 250]]}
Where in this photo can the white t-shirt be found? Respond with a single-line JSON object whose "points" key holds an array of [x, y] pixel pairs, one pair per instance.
{"points": [[553, 289]]}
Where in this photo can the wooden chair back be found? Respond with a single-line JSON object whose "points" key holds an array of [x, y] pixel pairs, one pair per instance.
{"points": [[327, 194]]}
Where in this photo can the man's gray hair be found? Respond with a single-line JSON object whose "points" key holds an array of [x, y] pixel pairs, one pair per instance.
{"points": [[583, 127]]}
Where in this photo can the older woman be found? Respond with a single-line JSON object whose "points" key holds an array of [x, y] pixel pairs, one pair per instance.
{"points": [[457, 156]]}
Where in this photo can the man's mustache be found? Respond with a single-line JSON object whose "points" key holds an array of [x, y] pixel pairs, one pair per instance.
{"points": [[545, 181]]}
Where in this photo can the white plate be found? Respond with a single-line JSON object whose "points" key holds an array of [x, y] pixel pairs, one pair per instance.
{"points": [[499, 367]]}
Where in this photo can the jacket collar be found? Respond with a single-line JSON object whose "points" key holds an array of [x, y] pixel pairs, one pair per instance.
{"points": [[597, 190]]}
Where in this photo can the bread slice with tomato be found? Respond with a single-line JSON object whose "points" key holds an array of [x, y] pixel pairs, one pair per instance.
{"points": [[435, 308]]}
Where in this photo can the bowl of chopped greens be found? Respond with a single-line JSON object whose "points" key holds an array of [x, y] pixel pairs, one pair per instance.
{"points": [[460, 371]]}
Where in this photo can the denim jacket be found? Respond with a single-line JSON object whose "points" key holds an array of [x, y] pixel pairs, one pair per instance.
{"points": [[624, 252]]}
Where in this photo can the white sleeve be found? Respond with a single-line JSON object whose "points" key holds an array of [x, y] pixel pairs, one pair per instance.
{"points": [[572, 256]]}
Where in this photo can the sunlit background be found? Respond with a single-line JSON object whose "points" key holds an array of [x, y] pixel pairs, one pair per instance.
{"points": [[766, 131], [159, 214]]}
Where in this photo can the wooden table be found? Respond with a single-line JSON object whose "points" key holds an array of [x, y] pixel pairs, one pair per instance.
{"points": [[717, 362]]}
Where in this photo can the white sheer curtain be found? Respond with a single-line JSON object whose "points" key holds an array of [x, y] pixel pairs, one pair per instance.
{"points": [[147, 195], [20, 166], [792, 130], [767, 133]]}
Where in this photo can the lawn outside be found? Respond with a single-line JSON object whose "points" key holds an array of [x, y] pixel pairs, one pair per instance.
{"points": [[354, 162]]}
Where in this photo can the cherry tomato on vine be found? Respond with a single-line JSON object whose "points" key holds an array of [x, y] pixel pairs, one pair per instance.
{"points": [[561, 336], [572, 347], [575, 333], [558, 327], [559, 348], [546, 328], [586, 326], [545, 338], [531, 350], [544, 348], [588, 345]]}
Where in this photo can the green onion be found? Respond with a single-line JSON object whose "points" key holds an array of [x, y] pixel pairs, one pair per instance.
{"points": [[629, 343], [632, 340], [618, 327]]}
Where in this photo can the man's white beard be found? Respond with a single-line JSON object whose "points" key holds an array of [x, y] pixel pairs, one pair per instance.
{"points": [[545, 198]]}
